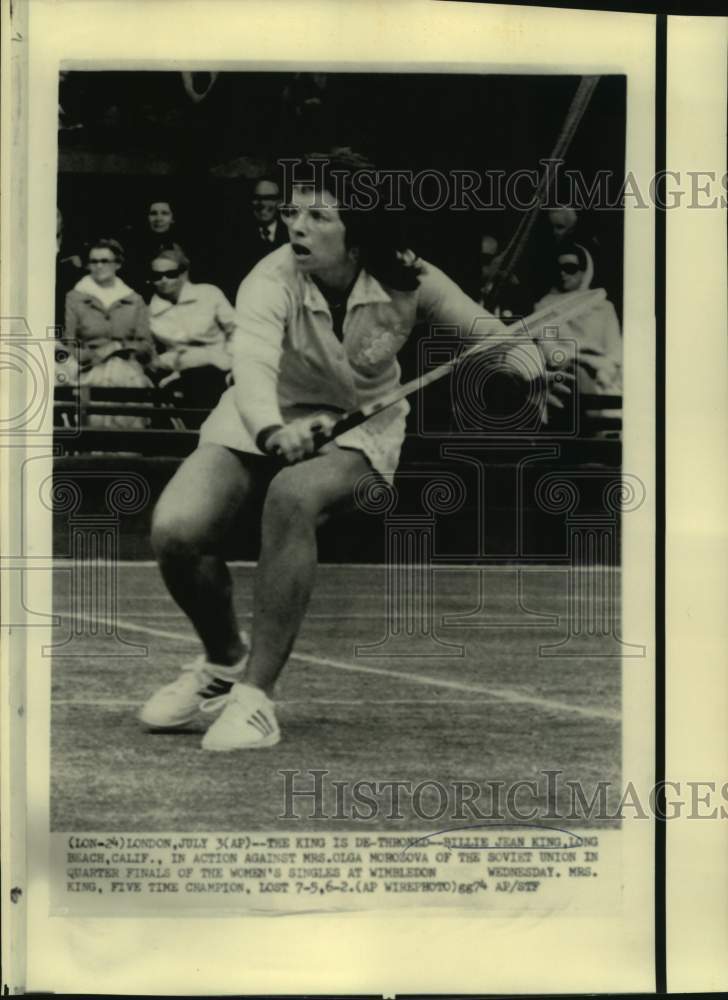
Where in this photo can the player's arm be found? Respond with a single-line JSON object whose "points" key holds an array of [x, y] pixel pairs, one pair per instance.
{"points": [[441, 300], [263, 308]]}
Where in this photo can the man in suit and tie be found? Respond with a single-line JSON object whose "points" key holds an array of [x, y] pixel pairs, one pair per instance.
{"points": [[270, 230], [241, 249]]}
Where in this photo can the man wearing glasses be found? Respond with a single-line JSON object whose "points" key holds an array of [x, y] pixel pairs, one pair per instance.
{"points": [[243, 243], [270, 231]]}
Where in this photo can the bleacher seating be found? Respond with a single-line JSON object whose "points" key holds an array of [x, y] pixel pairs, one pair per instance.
{"points": [[167, 433], [97, 455]]}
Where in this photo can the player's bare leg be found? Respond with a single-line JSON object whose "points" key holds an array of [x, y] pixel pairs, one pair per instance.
{"points": [[201, 585], [189, 531], [298, 499], [190, 528]]}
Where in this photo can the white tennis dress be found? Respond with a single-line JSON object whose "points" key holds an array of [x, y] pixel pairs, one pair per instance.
{"points": [[287, 360]]}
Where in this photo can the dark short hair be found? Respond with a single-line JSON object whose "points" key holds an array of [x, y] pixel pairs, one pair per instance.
{"points": [[377, 233], [162, 199], [107, 243]]}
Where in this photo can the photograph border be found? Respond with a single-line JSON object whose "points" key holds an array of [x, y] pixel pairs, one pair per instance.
{"points": [[68, 973]]}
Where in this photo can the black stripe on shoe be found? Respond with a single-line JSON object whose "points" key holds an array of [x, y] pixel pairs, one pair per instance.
{"points": [[260, 721], [215, 688]]}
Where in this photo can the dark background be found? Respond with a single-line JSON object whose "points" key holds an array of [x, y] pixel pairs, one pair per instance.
{"points": [[128, 137]]}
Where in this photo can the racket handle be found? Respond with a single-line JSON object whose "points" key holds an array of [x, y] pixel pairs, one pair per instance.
{"points": [[320, 438], [346, 423]]}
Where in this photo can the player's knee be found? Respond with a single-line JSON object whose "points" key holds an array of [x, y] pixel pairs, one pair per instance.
{"points": [[289, 503], [174, 535]]}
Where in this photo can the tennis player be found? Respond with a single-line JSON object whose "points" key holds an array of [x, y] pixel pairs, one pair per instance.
{"points": [[320, 322]]}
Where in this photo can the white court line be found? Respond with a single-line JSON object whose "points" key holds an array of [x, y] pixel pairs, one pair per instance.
{"points": [[507, 695], [457, 567], [127, 703], [444, 604], [179, 615], [328, 595]]}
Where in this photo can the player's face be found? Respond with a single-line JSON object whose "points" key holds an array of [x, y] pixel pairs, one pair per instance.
{"points": [[570, 273], [160, 217], [266, 197], [167, 278], [316, 232]]}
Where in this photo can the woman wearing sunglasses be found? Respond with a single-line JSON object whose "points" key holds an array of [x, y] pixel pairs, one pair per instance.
{"points": [[106, 328], [595, 332], [156, 228], [191, 324]]}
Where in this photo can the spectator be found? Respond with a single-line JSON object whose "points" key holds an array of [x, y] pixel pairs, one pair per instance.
{"points": [[489, 261], [107, 330], [557, 227], [160, 229], [595, 332], [259, 234], [160, 218], [504, 297], [269, 232], [191, 324], [567, 226], [563, 222], [104, 316]]}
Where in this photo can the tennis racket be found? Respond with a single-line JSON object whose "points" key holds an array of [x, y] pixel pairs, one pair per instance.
{"points": [[528, 328]]}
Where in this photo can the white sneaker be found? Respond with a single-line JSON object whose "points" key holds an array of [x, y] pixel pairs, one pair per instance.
{"points": [[247, 722], [199, 684]]}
